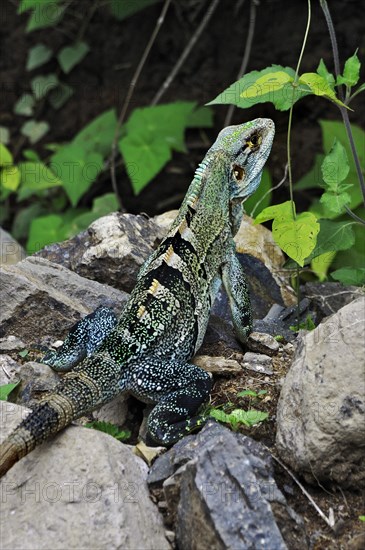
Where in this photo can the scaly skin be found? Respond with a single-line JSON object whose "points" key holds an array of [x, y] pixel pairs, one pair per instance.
{"points": [[147, 352]]}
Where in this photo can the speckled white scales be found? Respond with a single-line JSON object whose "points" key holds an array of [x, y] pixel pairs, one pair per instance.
{"points": [[147, 351]]}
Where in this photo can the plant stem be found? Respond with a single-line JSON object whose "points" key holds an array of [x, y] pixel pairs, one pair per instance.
{"points": [[129, 95], [208, 14], [343, 110], [288, 149]]}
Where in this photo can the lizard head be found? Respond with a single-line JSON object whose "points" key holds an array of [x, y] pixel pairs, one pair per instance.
{"points": [[248, 147]]}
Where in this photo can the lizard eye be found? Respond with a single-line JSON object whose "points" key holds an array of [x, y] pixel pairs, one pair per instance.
{"points": [[254, 141], [238, 172]]}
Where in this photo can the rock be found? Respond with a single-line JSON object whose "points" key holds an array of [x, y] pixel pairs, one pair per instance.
{"points": [[35, 380], [321, 410], [11, 343], [220, 489], [41, 298], [9, 370], [88, 488], [10, 250], [327, 298], [111, 251], [217, 365], [262, 343], [257, 362], [114, 412], [257, 241]]}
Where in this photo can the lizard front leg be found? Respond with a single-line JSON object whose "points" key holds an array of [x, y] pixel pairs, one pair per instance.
{"points": [[180, 389], [235, 284], [83, 339]]}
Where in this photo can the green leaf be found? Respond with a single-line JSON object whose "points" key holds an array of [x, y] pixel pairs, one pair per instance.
{"points": [[295, 236], [219, 415], [152, 132], [260, 192], [58, 96], [121, 9], [335, 166], [24, 105], [34, 130], [110, 429], [313, 178], [44, 230], [23, 218], [101, 207], [42, 84], [70, 56], [162, 122], [335, 169], [10, 178], [324, 73], [350, 275], [332, 130], [143, 158], [23, 353], [273, 84], [36, 176], [351, 72], [29, 154], [6, 158], [354, 256], [46, 13], [362, 518], [6, 390], [98, 135], [320, 87], [77, 169], [4, 135], [200, 118], [332, 237], [245, 393], [37, 56], [249, 418], [335, 201]]}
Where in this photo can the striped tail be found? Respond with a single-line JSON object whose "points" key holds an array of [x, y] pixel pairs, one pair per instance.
{"points": [[90, 385]]}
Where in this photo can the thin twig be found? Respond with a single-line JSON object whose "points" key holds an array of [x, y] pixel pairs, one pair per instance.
{"points": [[129, 95], [283, 180], [288, 144], [304, 491], [343, 110], [186, 52], [246, 55], [354, 216]]}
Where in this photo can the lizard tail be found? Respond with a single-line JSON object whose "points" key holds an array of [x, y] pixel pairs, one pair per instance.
{"points": [[78, 392]]}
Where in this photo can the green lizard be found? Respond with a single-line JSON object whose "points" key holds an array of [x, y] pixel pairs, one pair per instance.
{"points": [[147, 351]]}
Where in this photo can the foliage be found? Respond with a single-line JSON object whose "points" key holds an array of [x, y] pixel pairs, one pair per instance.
{"points": [[6, 390], [315, 237], [52, 186], [111, 429], [239, 416], [308, 324]]}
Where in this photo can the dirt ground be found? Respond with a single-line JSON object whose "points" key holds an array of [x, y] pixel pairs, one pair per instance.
{"points": [[101, 82]]}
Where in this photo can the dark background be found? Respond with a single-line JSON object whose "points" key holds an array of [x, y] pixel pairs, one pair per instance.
{"points": [[101, 80]]}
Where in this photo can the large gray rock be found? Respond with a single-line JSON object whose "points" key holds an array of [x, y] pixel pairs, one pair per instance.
{"points": [[38, 298], [82, 489], [321, 411], [11, 251], [111, 251], [220, 492]]}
